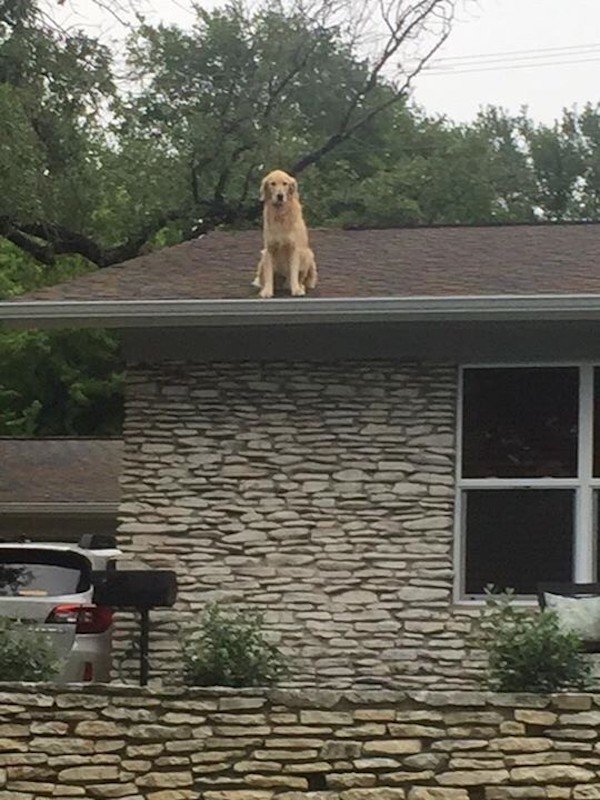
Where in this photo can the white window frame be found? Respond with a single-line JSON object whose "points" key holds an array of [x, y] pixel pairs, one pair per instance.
{"points": [[584, 485]]}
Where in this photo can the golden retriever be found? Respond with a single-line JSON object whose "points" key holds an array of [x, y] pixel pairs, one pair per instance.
{"points": [[286, 249]]}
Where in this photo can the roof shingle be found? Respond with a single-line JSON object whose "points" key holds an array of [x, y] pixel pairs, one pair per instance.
{"points": [[60, 470], [438, 261]]}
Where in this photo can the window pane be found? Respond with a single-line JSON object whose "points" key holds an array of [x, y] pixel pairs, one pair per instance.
{"points": [[520, 423], [516, 538], [36, 573]]}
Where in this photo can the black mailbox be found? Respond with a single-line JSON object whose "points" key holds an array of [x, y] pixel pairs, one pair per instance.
{"points": [[140, 590]]}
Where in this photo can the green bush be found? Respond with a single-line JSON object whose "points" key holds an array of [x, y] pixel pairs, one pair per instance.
{"points": [[529, 652], [25, 654], [229, 649]]}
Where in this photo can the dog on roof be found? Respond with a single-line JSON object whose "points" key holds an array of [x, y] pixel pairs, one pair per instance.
{"points": [[286, 251]]}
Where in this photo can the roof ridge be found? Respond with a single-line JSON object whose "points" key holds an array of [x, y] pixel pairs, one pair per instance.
{"points": [[495, 224], [476, 225]]}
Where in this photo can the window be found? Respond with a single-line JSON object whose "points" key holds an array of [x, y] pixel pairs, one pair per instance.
{"points": [[520, 423], [27, 572], [514, 533], [528, 477]]}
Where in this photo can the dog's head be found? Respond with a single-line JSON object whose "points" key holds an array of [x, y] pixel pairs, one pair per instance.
{"points": [[278, 188]]}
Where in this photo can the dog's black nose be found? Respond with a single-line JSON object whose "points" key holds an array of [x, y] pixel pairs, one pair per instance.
{"points": [[280, 195]]}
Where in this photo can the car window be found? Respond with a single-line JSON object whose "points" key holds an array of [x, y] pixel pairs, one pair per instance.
{"points": [[38, 573]]}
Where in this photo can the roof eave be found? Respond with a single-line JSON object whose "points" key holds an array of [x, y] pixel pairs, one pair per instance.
{"points": [[65, 507], [226, 313]]}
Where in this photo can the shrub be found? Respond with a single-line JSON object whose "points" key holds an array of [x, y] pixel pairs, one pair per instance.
{"points": [[230, 649], [26, 654], [529, 652]]}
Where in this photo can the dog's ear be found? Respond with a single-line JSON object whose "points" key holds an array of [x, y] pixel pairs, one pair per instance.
{"points": [[263, 190], [293, 190]]}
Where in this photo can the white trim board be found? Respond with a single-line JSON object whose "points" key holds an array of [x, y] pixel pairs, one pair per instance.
{"points": [[176, 313]]}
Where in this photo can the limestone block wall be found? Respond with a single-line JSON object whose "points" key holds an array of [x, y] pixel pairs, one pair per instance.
{"points": [[320, 493], [119, 742]]}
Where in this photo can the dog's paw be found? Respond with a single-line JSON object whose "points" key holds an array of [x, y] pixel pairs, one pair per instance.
{"points": [[265, 293], [311, 282], [299, 292], [256, 282]]}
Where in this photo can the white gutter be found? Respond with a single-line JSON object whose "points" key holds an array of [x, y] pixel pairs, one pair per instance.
{"points": [[221, 313]]}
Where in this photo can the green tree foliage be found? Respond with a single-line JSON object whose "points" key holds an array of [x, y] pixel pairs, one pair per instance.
{"points": [[566, 164], [53, 87], [63, 383]]}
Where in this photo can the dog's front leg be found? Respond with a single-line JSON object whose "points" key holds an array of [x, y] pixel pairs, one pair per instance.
{"points": [[267, 275], [296, 287], [258, 278]]}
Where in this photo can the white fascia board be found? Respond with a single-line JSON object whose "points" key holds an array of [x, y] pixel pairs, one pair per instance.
{"points": [[224, 313]]}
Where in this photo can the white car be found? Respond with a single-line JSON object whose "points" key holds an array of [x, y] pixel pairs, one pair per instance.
{"points": [[49, 585]]}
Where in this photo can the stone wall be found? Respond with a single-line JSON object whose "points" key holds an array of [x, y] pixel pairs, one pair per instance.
{"points": [[322, 494], [118, 742]]}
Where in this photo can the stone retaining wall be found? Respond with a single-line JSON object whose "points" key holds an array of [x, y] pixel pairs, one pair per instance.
{"points": [[322, 494], [120, 742]]}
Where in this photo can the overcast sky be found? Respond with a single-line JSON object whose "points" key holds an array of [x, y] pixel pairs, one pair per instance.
{"points": [[544, 54], [563, 30]]}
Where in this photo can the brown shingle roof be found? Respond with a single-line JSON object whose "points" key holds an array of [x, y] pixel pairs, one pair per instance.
{"points": [[60, 470], [510, 259]]}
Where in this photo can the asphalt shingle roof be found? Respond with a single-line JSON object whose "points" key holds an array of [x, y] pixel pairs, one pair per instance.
{"points": [[403, 262], [60, 470]]}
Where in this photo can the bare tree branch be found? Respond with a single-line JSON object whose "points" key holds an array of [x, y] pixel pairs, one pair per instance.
{"points": [[403, 21], [39, 250], [300, 58], [47, 241], [250, 173]]}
